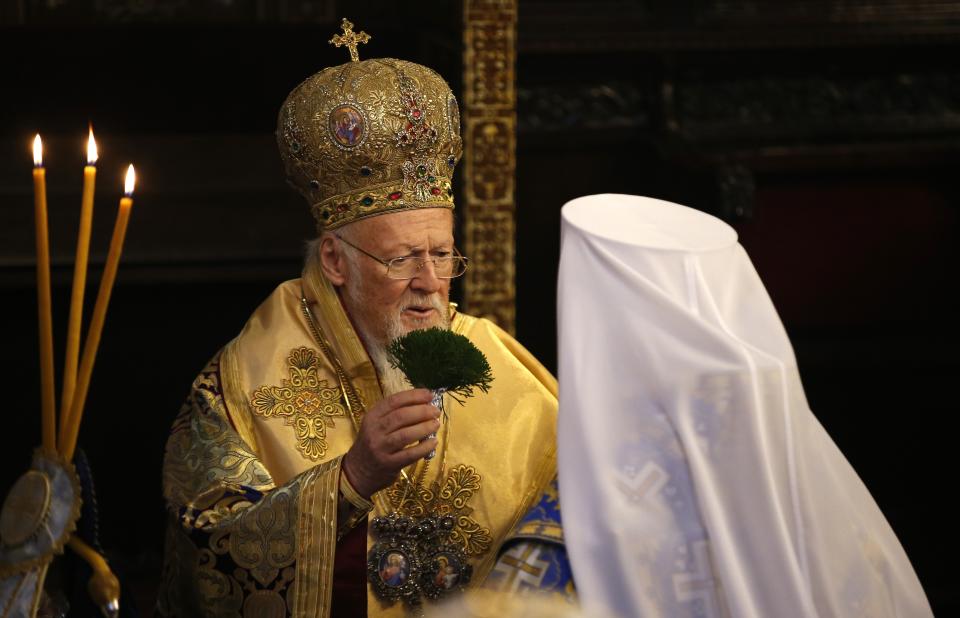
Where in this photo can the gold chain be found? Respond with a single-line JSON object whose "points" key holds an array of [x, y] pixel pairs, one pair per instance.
{"points": [[350, 395], [422, 475]]}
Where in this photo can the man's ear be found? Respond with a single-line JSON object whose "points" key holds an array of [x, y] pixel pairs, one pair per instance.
{"points": [[332, 261]]}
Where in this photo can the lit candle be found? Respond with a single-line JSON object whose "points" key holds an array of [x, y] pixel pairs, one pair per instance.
{"points": [[79, 283], [45, 317], [92, 341]]}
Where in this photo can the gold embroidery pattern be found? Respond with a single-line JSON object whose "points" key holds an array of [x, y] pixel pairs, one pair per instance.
{"points": [[451, 498], [190, 584], [229, 504], [233, 545], [263, 538], [218, 594], [261, 541], [306, 402], [204, 454], [269, 603]]}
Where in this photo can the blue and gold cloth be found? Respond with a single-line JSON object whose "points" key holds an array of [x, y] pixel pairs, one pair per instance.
{"points": [[534, 559]]}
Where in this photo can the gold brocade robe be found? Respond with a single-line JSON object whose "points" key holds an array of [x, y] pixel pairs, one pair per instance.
{"points": [[252, 466]]}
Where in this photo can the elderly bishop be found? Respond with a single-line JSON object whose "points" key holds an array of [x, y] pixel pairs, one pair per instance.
{"points": [[296, 475]]}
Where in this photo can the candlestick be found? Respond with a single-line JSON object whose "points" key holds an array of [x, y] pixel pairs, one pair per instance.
{"points": [[44, 313], [92, 342], [79, 284], [103, 586]]}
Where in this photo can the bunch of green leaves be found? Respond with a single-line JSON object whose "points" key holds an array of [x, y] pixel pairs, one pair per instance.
{"points": [[437, 359]]}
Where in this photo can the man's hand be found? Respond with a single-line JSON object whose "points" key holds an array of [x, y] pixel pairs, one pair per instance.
{"points": [[381, 451]]}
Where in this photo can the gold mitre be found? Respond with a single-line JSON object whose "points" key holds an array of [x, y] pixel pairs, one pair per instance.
{"points": [[367, 138]]}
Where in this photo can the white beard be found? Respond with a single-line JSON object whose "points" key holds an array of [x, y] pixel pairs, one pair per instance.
{"points": [[392, 380]]}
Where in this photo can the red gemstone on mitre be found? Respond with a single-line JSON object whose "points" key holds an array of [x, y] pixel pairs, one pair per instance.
{"points": [[435, 190], [396, 195], [416, 113]]}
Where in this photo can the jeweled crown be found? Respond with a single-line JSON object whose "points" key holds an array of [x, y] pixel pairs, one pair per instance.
{"points": [[370, 137]]}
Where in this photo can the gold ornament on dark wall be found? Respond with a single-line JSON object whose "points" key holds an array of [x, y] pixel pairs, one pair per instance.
{"points": [[489, 38]]}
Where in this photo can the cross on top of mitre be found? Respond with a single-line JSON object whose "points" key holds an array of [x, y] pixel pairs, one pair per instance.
{"points": [[350, 38]]}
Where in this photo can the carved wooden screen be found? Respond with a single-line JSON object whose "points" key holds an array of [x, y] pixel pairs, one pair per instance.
{"points": [[489, 98]]}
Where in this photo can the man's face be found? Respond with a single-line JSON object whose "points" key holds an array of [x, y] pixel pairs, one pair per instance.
{"points": [[378, 305]]}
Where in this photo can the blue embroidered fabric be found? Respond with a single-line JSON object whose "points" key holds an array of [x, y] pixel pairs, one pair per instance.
{"points": [[534, 557]]}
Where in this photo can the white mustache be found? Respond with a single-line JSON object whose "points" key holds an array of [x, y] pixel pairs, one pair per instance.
{"points": [[422, 300]]}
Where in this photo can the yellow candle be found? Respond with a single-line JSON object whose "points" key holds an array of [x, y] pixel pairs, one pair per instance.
{"points": [[44, 315], [79, 283], [92, 341]]}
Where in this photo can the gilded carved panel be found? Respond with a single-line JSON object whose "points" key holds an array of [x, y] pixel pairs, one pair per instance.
{"points": [[490, 158]]}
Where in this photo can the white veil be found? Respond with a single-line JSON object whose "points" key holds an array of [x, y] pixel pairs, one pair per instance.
{"points": [[694, 479]]}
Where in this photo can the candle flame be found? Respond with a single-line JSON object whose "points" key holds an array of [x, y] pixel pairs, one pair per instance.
{"points": [[37, 151], [130, 180], [91, 149]]}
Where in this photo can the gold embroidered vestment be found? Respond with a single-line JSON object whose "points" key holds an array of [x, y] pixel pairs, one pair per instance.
{"points": [[252, 466]]}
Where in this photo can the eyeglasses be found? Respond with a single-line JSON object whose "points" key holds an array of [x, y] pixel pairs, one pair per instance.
{"points": [[408, 267]]}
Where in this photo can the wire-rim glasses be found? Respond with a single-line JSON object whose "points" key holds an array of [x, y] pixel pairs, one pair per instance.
{"points": [[408, 267]]}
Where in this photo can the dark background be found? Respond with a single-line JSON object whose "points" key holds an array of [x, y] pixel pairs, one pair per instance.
{"points": [[826, 132]]}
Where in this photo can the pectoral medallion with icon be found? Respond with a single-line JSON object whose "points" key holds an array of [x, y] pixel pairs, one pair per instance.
{"points": [[423, 545]]}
